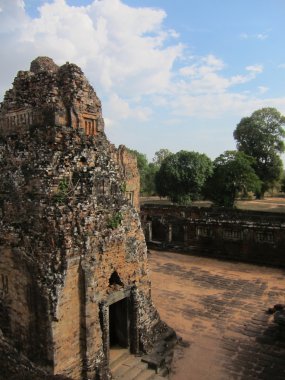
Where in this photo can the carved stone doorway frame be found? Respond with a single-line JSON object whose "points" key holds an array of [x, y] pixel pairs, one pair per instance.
{"points": [[131, 294]]}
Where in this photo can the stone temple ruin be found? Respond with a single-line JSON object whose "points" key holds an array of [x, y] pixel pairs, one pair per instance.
{"points": [[73, 259]]}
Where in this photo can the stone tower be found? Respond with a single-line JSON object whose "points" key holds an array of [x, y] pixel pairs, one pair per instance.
{"points": [[73, 261]]}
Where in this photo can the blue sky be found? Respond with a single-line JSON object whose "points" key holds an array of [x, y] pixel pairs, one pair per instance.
{"points": [[171, 74]]}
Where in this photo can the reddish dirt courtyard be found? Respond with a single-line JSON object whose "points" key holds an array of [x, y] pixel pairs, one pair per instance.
{"points": [[219, 310]]}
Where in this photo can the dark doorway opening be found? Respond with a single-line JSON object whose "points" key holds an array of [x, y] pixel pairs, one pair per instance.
{"points": [[158, 231], [177, 233], [119, 323]]}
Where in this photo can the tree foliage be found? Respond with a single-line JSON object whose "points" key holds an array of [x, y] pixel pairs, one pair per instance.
{"points": [[261, 136], [233, 174], [141, 159], [182, 175], [149, 181], [142, 163], [148, 170], [160, 155], [283, 183]]}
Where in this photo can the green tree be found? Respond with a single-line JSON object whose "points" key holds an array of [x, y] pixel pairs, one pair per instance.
{"points": [[261, 136], [182, 175], [233, 174], [149, 184], [283, 182], [148, 170], [149, 187], [142, 167], [160, 155]]}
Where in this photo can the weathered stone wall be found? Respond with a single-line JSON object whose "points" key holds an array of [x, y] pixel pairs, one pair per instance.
{"points": [[67, 327], [14, 364], [128, 165], [22, 307], [15, 279], [257, 237], [67, 229], [51, 95]]}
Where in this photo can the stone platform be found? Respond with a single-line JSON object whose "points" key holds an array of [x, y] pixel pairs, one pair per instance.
{"points": [[219, 310]]}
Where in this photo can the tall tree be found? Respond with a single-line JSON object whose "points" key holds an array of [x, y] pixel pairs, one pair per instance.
{"points": [[233, 174], [261, 136], [160, 155], [182, 175]]}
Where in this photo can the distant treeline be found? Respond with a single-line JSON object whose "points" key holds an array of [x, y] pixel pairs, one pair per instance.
{"points": [[254, 167]]}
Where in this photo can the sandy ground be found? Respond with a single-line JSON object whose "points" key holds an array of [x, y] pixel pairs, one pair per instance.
{"points": [[219, 309], [269, 204]]}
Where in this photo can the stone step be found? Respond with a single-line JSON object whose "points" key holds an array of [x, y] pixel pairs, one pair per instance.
{"points": [[154, 361], [124, 366], [133, 372], [147, 374], [117, 356]]}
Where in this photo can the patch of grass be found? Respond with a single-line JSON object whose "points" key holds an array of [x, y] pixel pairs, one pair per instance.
{"points": [[123, 187], [62, 192], [115, 221]]}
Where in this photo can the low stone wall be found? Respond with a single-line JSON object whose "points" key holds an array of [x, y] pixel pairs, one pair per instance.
{"points": [[257, 237]]}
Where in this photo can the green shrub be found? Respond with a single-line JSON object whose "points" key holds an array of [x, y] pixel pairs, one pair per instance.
{"points": [[115, 221], [62, 192]]}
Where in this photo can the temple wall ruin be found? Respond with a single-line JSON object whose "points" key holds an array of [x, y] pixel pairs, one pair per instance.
{"points": [[42, 97], [127, 163], [73, 256], [15, 121], [257, 237]]}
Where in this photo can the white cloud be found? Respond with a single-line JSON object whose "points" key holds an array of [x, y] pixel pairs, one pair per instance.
{"points": [[205, 65], [281, 66], [262, 89], [221, 105], [120, 48], [12, 16], [205, 77], [255, 68], [262, 36], [203, 91], [121, 110], [258, 36], [214, 62]]}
